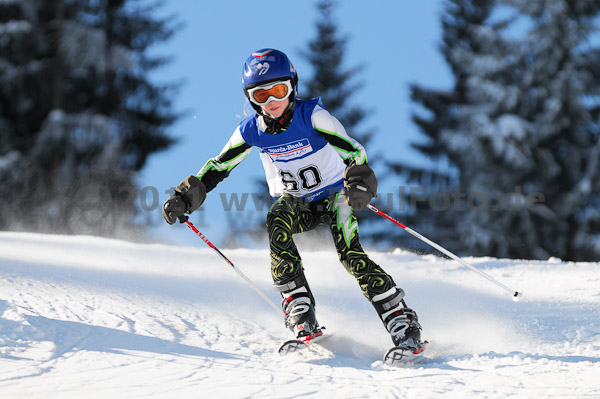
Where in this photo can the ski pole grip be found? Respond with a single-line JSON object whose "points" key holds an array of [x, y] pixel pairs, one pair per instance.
{"points": [[183, 219]]}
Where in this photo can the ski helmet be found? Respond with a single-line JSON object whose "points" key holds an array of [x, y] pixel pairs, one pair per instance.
{"points": [[268, 65]]}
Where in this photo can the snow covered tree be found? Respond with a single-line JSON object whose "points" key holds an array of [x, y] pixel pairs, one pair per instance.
{"points": [[472, 47], [559, 103], [77, 112], [517, 133]]}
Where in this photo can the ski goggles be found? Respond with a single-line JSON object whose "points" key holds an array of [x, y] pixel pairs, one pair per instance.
{"points": [[262, 95]]}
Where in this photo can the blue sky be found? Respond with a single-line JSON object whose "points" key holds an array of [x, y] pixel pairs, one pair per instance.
{"points": [[395, 41]]}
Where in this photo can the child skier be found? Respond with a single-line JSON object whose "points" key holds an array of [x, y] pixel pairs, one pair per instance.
{"points": [[320, 175]]}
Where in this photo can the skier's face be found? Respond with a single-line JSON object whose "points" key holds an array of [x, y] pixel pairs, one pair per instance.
{"points": [[275, 108]]}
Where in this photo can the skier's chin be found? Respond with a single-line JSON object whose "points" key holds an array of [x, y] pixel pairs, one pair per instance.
{"points": [[275, 113], [275, 108]]}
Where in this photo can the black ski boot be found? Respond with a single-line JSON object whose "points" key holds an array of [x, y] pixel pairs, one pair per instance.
{"points": [[299, 308], [400, 321]]}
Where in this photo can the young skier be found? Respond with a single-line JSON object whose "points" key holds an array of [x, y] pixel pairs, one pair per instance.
{"points": [[320, 175]]}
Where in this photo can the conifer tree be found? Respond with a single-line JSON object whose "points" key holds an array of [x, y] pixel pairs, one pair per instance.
{"points": [[467, 37], [330, 78], [78, 113], [518, 132], [559, 88]]}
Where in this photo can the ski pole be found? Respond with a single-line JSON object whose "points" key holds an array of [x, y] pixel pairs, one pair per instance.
{"points": [[184, 219], [515, 294]]}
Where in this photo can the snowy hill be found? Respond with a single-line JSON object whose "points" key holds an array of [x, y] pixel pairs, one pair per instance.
{"points": [[85, 317]]}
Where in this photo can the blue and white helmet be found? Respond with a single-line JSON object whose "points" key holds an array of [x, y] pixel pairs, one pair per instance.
{"points": [[268, 65]]}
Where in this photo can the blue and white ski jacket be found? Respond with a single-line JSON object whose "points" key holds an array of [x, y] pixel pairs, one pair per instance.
{"points": [[306, 160]]}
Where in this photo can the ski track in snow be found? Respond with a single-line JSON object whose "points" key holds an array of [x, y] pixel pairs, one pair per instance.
{"points": [[96, 318]]}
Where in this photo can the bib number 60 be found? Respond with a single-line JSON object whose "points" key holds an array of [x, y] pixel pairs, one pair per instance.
{"points": [[307, 178]]}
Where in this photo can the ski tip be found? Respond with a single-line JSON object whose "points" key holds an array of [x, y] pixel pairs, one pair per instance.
{"points": [[401, 357], [292, 346], [301, 343]]}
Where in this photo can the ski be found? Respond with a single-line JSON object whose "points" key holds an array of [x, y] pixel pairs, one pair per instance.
{"points": [[300, 344], [399, 357]]}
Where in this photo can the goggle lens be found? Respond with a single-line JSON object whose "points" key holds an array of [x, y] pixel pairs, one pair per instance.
{"points": [[278, 91]]}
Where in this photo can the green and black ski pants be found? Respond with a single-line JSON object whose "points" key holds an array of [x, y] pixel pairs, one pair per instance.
{"points": [[291, 215]]}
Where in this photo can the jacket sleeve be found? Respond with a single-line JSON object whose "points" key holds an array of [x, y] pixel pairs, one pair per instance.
{"points": [[351, 151], [218, 168]]}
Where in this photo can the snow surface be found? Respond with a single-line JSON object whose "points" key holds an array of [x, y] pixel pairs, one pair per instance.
{"points": [[87, 317]]}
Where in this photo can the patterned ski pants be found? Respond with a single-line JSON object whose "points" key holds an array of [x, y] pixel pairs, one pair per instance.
{"points": [[291, 215]]}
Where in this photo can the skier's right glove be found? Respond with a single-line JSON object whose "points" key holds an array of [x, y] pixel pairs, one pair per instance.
{"points": [[189, 196], [360, 185]]}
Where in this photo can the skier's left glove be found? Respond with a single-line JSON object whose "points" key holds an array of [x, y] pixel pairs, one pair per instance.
{"points": [[360, 185], [189, 196]]}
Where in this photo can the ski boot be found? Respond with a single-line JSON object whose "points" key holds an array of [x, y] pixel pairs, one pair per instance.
{"points": [[400, 321], [299, 309]]}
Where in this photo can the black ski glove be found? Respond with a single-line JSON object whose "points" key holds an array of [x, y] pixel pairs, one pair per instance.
{"points": [[360, 185], [189, 196]]}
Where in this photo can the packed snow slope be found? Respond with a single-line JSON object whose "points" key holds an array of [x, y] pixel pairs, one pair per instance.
{"points": [[86, 317]]}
